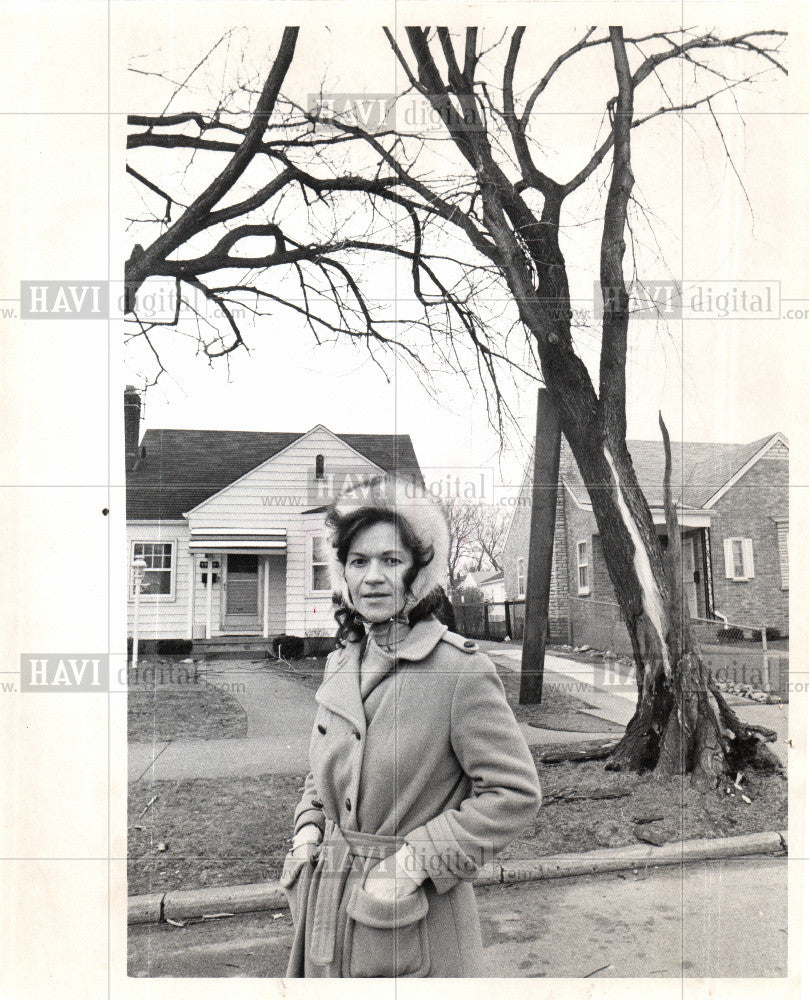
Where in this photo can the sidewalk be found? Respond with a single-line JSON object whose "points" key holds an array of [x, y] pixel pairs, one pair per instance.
{"points": [[613, 695], [279, 725], [280, 713]]}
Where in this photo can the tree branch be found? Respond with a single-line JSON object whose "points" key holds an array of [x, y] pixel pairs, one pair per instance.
{"points": [[193, 219], [612, 377]]}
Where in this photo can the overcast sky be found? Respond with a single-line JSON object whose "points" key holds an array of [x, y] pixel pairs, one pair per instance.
{"points": [[714, 379]]}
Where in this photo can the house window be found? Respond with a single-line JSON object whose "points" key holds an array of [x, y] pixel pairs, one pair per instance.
{"points": [[321, 582], [320, 465], [739, 559], [783, 552], [583, 564], [158, 576], [520, 578]]}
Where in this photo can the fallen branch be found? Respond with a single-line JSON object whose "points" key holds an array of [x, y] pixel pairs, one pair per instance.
{"points": [[578, 752], [607, 793]]}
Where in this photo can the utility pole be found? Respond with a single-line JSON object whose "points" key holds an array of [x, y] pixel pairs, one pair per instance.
{"points": [[540, 549]]}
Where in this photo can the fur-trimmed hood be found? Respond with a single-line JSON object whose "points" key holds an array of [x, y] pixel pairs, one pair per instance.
{"points": [[422, 512]]}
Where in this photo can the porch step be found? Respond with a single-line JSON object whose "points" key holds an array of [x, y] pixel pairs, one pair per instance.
{"points": [[232, 647]]}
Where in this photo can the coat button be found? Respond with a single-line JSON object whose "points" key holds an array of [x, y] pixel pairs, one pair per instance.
{"points": [[469, 644], [321, 729], [317, 803], [348, 805], [358, 734]]}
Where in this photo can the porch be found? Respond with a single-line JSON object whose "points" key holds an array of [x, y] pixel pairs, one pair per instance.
{"points": [[239, 589]]}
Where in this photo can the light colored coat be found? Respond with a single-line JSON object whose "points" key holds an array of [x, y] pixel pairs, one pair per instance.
{"points": [[433, 755]]}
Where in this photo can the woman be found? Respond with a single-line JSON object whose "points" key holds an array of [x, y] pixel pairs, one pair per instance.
{"points": [[420, 773]]}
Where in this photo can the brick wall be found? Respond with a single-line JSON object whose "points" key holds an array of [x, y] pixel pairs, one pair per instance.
{"points": [[517, 546], [753, 508]]}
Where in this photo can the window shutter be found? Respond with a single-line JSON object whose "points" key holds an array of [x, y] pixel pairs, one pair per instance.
{"points": [[728, 543], [747, 550]]}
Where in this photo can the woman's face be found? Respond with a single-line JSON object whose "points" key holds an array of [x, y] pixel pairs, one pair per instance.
{"points": [[376, 565]]}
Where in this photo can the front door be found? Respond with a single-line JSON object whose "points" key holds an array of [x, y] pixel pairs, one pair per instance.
{"points": [[242, 594]]}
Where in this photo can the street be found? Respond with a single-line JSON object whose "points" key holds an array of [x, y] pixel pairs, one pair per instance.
{"points": [[711, 919]]}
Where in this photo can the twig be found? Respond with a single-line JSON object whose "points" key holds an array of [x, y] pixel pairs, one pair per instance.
{"points": [[603, 967], [607, 793], [151, 802]]}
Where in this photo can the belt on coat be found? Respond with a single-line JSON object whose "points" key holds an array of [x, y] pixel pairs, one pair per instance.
{"points": [[335, 861]]}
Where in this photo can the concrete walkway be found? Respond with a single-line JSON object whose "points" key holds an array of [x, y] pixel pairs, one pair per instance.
{"points": [[613, 695], [279, 724]]}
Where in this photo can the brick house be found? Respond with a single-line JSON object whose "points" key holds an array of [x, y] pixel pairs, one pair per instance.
{"points": [[231, 525], [733, 510]]}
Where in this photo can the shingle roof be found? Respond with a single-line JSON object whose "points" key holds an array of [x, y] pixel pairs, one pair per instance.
{"points": [[181, 468], [698, 469]]}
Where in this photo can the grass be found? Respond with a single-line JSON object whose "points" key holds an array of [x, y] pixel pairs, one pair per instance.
{"points": [[309, 670], [229, 831], [169, 700], [684, 812], [557, 710], [236, 830]]}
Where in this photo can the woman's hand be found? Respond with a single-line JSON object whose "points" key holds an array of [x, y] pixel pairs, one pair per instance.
{"points": [[391, 879], [306, 841]]}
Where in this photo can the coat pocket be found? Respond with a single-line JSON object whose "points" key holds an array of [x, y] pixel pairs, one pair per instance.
{"points": [[295, 878], [386, 939]]}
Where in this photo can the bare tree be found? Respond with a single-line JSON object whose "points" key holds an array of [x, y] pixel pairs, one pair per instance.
{"points": [[462, 523], [492, 220], [488, 534]]}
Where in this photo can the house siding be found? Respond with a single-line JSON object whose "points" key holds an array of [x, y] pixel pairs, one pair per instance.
{"points": [[755, 507], [516, 543], [162, 617], [751, 508], [274, 496]]}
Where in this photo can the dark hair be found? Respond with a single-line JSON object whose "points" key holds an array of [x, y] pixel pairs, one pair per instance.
{"points": [[345, 529]]}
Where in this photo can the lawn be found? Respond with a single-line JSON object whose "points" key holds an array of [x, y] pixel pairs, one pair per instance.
{"points": [[169, 700], [212, 832], [208, 832]]}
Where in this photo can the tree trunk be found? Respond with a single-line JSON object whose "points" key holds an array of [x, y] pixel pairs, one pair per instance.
{"points": [[681, 723]]}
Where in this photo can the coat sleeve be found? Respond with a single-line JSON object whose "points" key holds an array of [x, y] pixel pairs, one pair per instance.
{"points": [[505, 790], [310, 808]]}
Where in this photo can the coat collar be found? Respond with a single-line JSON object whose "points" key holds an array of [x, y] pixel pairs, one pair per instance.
{"points": [[340, 690]]}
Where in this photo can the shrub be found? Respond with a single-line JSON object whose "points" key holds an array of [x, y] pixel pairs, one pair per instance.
{"points": [[290, 647], [731, 634], [771, 633]]}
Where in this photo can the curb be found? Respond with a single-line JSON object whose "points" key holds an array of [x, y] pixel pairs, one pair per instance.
{"points": [[185, 904]]}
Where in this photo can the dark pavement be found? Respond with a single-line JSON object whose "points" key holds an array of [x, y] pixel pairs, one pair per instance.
{"points": [[711, 919]]}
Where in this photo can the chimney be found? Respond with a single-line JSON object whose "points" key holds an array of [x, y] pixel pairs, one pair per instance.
{"points": [[131, 426]]}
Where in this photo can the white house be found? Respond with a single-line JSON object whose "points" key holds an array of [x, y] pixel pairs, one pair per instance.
{"points": [[231, 525], [492, 586]]}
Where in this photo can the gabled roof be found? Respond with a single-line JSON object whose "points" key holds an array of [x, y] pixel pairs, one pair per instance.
{"points": [[182, 468], [698, 469]]}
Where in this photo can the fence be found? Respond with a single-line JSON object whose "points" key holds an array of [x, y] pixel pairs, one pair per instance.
{"points": [[495, 620], [751, 660]]}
